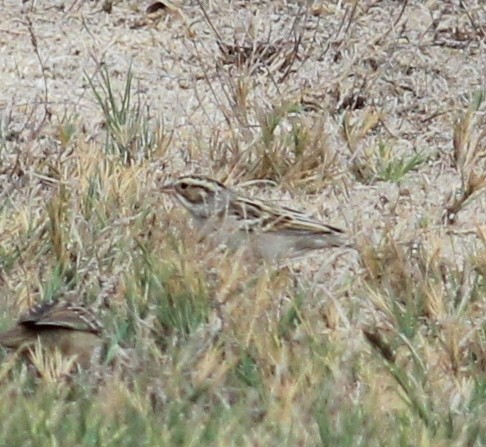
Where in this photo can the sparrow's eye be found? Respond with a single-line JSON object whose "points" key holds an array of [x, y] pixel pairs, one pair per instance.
{"points": [[184, 185]]}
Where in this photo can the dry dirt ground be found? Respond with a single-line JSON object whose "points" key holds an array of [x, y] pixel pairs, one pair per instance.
{"points": [[413, 66], [369, 114], [376, 84]]}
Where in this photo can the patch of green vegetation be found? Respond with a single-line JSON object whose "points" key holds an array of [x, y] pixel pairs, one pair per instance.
{"points": [[129, 132], [390, 168]]}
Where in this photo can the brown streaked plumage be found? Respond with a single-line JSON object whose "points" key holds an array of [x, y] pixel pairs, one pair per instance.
{"points": [[70, 328], [272, 231]]}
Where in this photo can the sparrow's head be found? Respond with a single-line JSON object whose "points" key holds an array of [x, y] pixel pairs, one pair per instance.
{"points": [[201, 196]]}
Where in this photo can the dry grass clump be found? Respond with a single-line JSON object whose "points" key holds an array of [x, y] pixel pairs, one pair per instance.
{"points": [[364, 113]]}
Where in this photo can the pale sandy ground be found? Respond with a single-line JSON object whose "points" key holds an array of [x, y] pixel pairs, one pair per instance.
{"points": [[417, 66]]}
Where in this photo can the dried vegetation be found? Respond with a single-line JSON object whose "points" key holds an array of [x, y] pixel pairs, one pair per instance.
{"points": [[368, 113]]}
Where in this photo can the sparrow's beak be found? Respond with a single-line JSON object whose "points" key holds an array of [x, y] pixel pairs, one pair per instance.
{"points": [[167, 188]]}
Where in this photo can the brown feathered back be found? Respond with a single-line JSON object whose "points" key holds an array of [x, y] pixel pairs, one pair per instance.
{"points": [[62, 314]]}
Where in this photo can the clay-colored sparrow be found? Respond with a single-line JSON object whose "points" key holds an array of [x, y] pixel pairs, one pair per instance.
{"points": [[272, 231], [70, 328]]}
